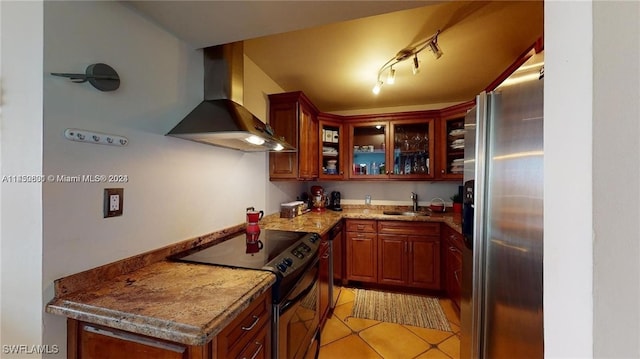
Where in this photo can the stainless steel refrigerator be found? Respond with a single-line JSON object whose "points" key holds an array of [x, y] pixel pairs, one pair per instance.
{"points": [[501, 305]]}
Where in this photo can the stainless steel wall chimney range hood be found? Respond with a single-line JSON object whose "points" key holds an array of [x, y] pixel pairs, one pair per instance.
{"points": [[221, 120]]}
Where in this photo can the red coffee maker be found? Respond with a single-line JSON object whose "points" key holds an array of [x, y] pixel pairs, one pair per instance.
{"points": [[318, 198], [253, 229]]}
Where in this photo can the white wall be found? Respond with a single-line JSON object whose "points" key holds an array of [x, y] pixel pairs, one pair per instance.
{"points": [[176, 190], [568, 180], [392, 193], [21, 154], [616, 175]]}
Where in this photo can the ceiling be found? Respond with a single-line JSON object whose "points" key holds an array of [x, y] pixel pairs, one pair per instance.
{"points": [[332, 50]]}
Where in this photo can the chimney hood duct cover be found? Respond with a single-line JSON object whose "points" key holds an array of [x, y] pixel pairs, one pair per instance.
{"points": [[221, 120]]}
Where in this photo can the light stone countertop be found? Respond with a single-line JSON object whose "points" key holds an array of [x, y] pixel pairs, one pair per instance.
{"points": [[321, 222], [181, 302]]}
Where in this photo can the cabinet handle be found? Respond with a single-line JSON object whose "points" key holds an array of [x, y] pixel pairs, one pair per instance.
{"points": [[255, 321], [455, 274], [256, 352], [454, 249], [326, 255], [442, 171], [360, 226]]}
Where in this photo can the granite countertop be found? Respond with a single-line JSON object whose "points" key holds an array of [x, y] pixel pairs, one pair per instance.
{"points": [[191, 303], [321, 222], [181, 302]]}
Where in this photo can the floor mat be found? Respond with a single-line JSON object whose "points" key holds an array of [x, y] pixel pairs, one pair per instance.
{"points": [[416, 310]]}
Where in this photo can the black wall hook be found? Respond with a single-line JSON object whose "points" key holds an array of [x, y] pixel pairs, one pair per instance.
{"points": [[101, 76]]}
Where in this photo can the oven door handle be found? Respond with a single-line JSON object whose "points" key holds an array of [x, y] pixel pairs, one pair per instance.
{"points": [[288, 303]]}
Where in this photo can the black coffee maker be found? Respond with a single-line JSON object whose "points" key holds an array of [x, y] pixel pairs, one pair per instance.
{"points": [[334, 201]]}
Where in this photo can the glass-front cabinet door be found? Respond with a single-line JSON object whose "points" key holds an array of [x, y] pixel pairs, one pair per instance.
{"points": [[413, 149], [332, 152], [368, 157], [451, 140]]}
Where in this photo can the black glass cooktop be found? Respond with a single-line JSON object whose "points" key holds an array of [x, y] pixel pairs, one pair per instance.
{"points": [[237, 252]]}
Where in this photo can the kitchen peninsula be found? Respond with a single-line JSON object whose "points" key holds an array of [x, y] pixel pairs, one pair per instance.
{"points": [[185, 310]]}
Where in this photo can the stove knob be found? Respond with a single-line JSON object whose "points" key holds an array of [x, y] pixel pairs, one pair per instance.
{"points": [[282, 267], [288, 261], [314, 238]]}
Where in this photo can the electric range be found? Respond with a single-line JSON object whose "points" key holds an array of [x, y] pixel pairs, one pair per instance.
{"points": [[294, 258]]}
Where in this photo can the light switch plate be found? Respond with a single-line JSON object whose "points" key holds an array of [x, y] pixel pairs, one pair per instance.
{"points": [[113, 201]]}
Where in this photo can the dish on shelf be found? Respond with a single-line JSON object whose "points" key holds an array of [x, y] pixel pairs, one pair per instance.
{"points": [[330, 154], [456, 132]]}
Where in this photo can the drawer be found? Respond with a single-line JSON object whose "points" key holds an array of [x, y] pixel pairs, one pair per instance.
{"points": [[245, 328], [258, 347], [361, 226], [360, 236], [404, 227], [453, 236]]}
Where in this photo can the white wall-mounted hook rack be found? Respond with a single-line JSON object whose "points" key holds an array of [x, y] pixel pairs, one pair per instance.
{"points": [[78, 135]]}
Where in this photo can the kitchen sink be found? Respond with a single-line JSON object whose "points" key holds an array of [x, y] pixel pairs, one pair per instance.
{"points": [[405, 213]]}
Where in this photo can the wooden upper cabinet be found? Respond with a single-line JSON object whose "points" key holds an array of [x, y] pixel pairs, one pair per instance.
{"points": [[450, 142], [367, 147], [412, 143], [418, 145], [398, 146], [294, 117], [332, 147]]}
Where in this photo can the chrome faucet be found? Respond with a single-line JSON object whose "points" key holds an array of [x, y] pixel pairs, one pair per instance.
{"points": [[414, 199]]}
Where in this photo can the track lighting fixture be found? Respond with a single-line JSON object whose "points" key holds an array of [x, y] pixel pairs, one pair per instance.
{"points": [[405, 54]]}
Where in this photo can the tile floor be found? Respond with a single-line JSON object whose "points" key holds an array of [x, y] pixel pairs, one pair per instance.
{"points": [[354, 338]]}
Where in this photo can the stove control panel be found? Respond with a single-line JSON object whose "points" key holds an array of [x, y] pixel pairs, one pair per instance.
{"points": [[297, 255]]}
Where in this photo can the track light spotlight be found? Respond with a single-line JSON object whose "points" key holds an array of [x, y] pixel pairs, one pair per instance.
{"points": [[377, 87], [392, 76], [433, 45], [416, 65]]}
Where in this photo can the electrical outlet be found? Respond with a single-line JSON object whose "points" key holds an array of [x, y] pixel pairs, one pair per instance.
{"points": [[113, 200], [367, 199]]}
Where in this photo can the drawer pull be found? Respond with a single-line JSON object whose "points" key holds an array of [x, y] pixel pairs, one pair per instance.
{"points": [[255, 321], [360, 226], [256, 352]]}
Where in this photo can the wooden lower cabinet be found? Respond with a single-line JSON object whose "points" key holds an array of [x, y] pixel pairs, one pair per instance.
{"points": [[409, 254], [362, 251], [452, 254], [397, 253], [247, 336]]}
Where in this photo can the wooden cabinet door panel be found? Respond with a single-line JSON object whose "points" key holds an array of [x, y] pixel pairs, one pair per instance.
{"points": [[308, 145], [424, 262], [283, 120], [362, 257], [392, 254], [455, 274]]}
